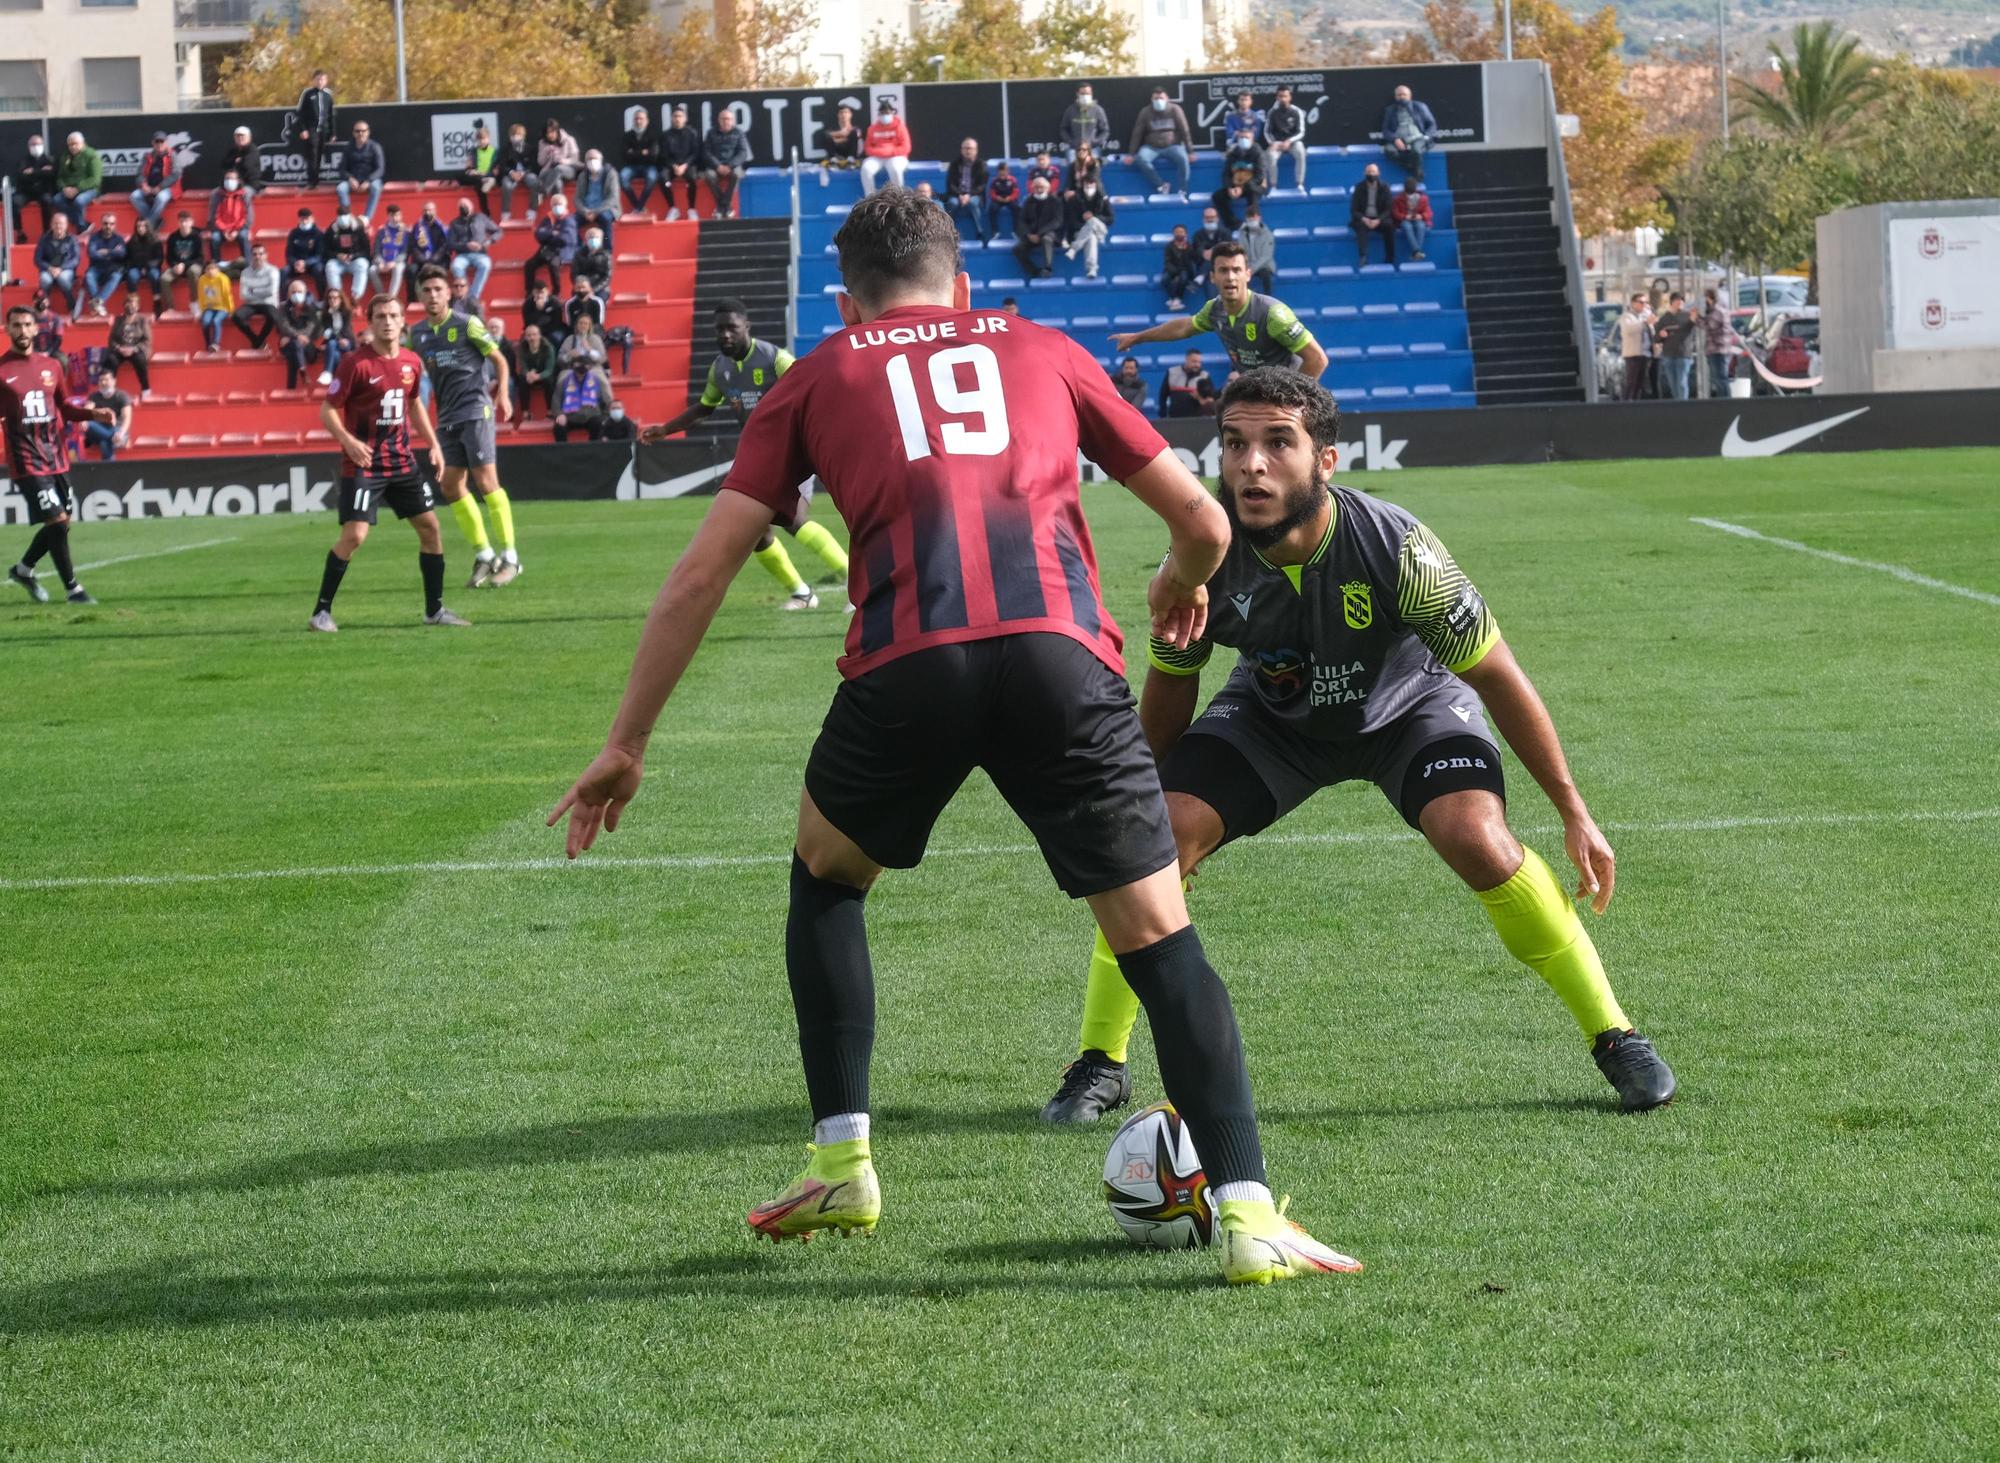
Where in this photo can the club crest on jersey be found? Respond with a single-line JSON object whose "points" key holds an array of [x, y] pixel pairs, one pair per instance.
{"points": [[757, 375], [1250, 330], [1357, 604], [408, 375]]}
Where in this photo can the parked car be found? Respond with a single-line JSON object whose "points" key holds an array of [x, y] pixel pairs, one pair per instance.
{"points": [[1780, 291], [1671, 266]]}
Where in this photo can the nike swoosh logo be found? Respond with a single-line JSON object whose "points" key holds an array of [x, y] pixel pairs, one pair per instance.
{"points": [[630, 487], [1734, 444]]}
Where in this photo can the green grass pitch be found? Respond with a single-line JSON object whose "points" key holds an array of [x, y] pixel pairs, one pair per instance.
{"points": [[393, 1160]]}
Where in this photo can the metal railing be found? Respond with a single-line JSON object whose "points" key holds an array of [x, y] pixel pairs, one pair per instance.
{"points": [[1579, 312], [7, 231], [792, 267]]}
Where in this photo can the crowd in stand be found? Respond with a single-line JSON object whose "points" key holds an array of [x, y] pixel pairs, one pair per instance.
{"points": [[305, 304]]}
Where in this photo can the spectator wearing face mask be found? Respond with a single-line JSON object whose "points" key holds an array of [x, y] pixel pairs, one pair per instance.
{"points": [[840, 141], [725, 153], [34, 182], [182, 257], [586, 311], [558, 157], [582, 395], [555, 245], [159, 179], [430, 243], [471, 239], [1040, 231], [617, 426], [1162, 131], [680, 162], [1412, 213], [298, 333], [229, 217], [592, 262], [346, 254], [1368, 214], [245, 160], [639, 160], [597, 198], [965, 189], [362, 165], [215, 300], [1204, 241], [1260, 248], [1243, 134], [305, 251], [1085, 124], [392, 252], [885, 149], [514, 167], [1003, 196], [1087, 219], [57, 260], [534, 370]]}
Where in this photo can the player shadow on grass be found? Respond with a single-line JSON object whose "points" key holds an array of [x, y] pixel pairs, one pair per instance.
{"points": [[585, 1140], [181, 1292]]}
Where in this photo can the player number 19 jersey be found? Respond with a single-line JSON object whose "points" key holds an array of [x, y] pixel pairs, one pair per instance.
{"points": [[948, 440]]}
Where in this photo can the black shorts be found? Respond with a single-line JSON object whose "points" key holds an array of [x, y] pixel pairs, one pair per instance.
{"points": [[360, 497], [1052, 726], [1253, 768], [47, 496]]}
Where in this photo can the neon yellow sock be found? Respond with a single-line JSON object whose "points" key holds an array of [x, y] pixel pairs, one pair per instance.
{"points": [[1109, 1008], [778, 564], [466, 511], [502, 508], [815, 537], [1539, 927]]}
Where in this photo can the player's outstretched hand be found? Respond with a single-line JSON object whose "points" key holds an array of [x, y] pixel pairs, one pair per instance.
{"points": [[1180, 614], [1596, 866], [598, 798], [1124, 341], [654, 433]]}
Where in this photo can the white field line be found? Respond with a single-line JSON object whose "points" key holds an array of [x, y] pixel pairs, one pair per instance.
{"points": [[207, 543], [1908, 576], [694, 862]]}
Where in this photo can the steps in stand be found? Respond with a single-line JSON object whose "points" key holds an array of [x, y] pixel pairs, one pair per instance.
{"points": [[1517, 289]]}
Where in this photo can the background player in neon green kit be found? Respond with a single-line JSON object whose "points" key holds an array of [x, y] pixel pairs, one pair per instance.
{"points": [[1256, 330], [744, 369], [1365, 653], [454, 348]]}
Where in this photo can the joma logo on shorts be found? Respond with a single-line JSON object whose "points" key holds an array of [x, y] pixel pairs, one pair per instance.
{"points": [[1454, 764]]}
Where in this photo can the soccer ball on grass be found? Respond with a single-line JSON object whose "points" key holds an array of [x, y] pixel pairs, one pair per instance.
{"points": [[1154, 1183]]}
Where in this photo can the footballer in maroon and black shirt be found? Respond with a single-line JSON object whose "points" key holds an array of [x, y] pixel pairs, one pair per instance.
{"points": [[948, 439], [368, 410], [35, 414]]}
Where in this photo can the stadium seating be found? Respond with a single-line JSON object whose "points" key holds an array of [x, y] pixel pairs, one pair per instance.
{"points": [[237, 403], [1395, 335]]}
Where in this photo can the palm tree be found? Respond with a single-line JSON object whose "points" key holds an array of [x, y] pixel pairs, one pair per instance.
{"points": [[1825, 83]]}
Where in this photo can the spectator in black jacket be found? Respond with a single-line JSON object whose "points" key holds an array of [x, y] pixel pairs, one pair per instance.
{"points": [[593, 263], [1285, 136], [298, 333], [312, 126], [1040, 231], [305, 252], [639, 161], [725, 153], [965, 188], [1003, 195], [247, 162], [680, 162], [841, 142], [362, 165], [584, 304], [1181, 268], [1087, 219], [555, 244], [545, 313], [1204, 241], [1369, 215], [1237, 193], [34, 182], [182, 261], [514, 167], [534, 366]]}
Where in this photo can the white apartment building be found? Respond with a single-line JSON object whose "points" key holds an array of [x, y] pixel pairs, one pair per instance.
{"points": [[63, 57]]}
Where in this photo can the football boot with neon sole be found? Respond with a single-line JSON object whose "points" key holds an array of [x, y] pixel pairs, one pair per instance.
{"points": [[1630, 1064], [838, 1190], [1259, 1245], [1092, 1086]]}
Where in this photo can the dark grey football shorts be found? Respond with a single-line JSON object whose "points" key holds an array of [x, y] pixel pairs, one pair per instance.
{"points": [[467, 444]]}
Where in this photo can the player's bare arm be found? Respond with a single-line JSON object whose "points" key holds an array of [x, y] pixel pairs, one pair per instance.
{"points": [[681, 423], [422, 417], [1178, 328], [679, 618], [1517, 711], [1166, 708], [1199, 533], [357, 451], [1312, 360], [503, 385]]}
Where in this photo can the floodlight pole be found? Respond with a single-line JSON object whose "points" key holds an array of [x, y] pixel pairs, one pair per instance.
{"points": [[402, 69], [1507, 27], [1722, 62]]}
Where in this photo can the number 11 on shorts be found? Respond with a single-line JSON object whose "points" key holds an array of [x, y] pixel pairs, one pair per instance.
{"points": [[986, 400]]}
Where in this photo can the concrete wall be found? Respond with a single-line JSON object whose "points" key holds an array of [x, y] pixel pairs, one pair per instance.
{"points": [[62, 34], [1517, 113], [1860, 263], [1853, 297]]}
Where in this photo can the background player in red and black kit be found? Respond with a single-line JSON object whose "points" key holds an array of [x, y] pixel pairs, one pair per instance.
{"points": [[948, 439], [35, 417], [369, 409]]}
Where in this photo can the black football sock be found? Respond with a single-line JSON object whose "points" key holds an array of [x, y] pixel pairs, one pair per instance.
{"points": [[58, 543], [433, 567], [833, 990], [329, 581], [1200, 1053], [37, 546]]}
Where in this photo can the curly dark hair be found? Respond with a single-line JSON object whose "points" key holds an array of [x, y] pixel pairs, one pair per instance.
{"points": [[1288, 390], [895, 240]]}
